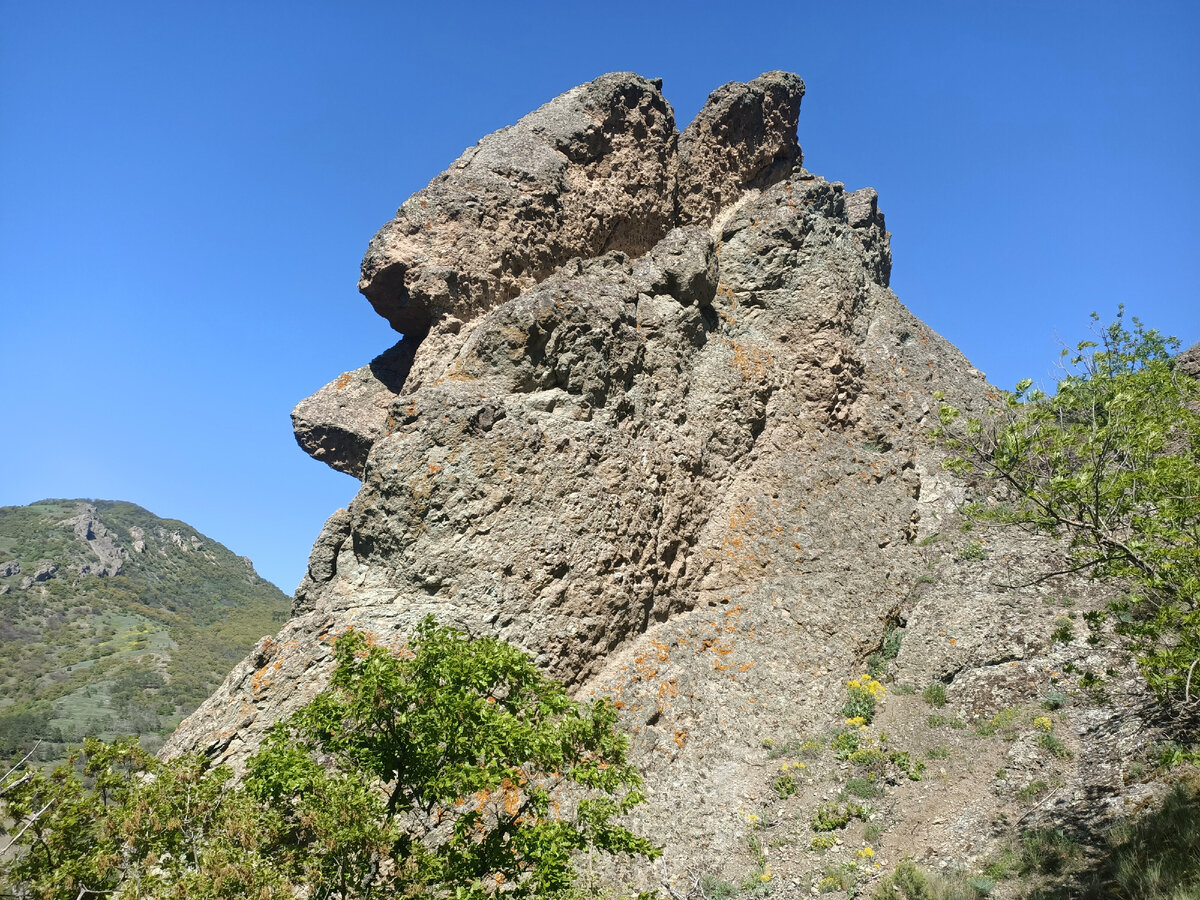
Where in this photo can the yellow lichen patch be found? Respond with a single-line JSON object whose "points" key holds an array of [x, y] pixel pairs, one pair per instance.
{"points": [[343, 380], [750, 360]]}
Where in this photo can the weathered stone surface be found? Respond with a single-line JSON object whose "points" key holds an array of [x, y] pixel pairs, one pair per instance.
{"points": [[1189, 361], [591, 171], [743, 138], [565, 477], [338, 424], [12, 567], [100, 541], [694, 476]]}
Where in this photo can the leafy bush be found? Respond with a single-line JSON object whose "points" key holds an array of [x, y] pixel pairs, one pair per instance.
{"points": [[865, 693], [454, 769], [910, 882], [1111, 461]]}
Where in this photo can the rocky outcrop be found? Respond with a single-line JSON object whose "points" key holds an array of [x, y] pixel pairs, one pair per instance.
{"points": [[665, 426], [589, 172], [1189, 361], [743, 138], [584, 459], [101, 542], [598, 169], [339, 424]]}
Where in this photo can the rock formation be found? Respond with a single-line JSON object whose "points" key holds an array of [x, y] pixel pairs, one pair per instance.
{"points": [[658, 419]]}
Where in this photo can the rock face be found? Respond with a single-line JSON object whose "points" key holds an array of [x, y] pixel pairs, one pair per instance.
{"points": [[339, 424], [1189, 361], [589, 172], [100, 541], [659, 420]]}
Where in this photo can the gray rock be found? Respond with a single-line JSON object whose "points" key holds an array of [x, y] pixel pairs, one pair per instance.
{"points": [[743, 138], [43, 573], [100, 541], [12, 567], [690, 472], [1189, 361], [339, 423], [591, 171]]}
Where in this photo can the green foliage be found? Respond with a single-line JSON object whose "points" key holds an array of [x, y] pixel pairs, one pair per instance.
{"points": [[845, 743], [1032, 791], [863, 788], [115, 820], [902, 760], [892, 638], [973, 552], [863, 694], [1112, 462], [1053, 746], [1002, 722], [785, 785], [1047, 851], [832, 818], [910, 882], [1054, 700], [456, 769], [935, 694]]}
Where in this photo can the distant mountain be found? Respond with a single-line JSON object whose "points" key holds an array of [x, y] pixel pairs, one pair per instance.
{"points": [[114, 621]]}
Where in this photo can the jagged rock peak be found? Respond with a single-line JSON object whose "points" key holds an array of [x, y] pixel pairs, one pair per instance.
{"points": [[595, 169], [1189, 361], [743, 138], [598, 169]]}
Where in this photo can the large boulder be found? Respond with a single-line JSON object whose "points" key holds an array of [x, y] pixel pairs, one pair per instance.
{"points": [[663, 424], [591, 171]]}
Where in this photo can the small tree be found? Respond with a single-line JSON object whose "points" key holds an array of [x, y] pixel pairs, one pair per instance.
{"points": [[453, 768], [116, 822], [486, 774], [1111, 461]]}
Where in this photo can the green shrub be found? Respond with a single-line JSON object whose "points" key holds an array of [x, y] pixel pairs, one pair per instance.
{"points": [[973, 552], [935, 694], [892, 638], [1052, 745], [1064, 631], [863, 788], [455, 767], [1109, 460], [864, 693], [845, 743], [1054, 700], [832, 818], [910, 882], [1002, 721], [785, 785]]}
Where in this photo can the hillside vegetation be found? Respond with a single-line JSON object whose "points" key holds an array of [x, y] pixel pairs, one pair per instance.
{"points": [[114, 621]]}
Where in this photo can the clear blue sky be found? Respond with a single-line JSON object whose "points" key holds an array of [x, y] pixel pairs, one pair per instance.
{"points": [[186, 191]]}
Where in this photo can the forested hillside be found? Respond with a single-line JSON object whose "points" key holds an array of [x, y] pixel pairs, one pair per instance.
{"points": [[114, 621]]}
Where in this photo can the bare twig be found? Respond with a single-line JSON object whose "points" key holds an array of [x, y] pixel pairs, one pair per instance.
{"points": [[8, 787], [1039, 805], [1187, 688], [22, 761], [36, 816]]}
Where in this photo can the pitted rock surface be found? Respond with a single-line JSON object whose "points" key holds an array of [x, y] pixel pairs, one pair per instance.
{"points": [[339, 424], [688, 468], [591, 171], [743, 138], [1189, 361]]}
